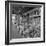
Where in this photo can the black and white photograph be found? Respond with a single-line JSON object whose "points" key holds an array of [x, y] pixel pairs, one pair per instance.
{"points": [[25, 22]]}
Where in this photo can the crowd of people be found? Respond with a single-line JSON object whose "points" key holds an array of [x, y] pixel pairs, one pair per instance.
{"points": [[28, 25]]}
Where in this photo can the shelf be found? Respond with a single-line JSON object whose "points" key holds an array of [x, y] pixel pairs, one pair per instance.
{"points": [[34, 16]]}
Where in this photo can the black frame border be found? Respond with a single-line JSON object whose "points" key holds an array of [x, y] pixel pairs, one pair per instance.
{"points": [[7, 11]]}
